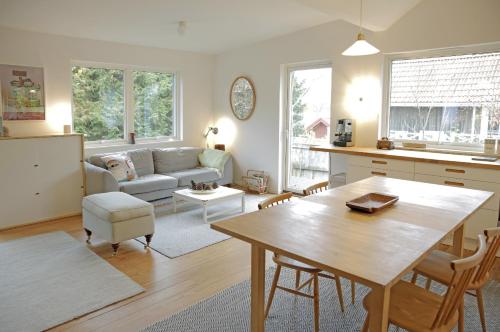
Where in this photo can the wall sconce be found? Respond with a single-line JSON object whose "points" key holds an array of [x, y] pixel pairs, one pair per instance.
{"points": [[213, 130]]}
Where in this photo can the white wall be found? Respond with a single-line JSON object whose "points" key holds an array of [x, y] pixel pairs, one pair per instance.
{"points": [[431, 24], [55, 54]]}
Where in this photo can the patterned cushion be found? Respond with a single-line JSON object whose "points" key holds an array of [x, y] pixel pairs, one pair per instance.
{"points": [[120, 166]]}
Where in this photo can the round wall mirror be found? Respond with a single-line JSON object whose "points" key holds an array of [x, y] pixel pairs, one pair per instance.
{"points": [[242, 97]]}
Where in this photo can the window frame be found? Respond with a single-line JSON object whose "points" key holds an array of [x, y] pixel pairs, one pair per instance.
{"points": [[129, 103], [434, 53]]}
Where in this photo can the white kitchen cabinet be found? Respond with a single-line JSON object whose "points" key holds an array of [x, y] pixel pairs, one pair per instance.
{"points": [[362, 167], [41, 178]]}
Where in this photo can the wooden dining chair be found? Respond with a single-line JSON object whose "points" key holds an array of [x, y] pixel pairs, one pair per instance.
{"points": [[314, 189], [416, 309], [436, 267], [283, 261]]}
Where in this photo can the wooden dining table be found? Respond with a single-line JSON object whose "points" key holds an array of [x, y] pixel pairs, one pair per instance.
{"points": [[376, 250]]}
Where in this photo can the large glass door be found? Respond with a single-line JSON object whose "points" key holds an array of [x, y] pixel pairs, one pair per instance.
{"points": [[308, 123]]}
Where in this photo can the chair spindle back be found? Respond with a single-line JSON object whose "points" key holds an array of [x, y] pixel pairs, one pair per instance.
{"points": [[316, 188], [275, 200]]}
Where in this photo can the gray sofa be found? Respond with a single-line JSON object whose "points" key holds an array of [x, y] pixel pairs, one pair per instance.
{"points": [[160, 172]]}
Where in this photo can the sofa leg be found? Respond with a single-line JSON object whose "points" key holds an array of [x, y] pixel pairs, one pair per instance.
{"points": [[89, 234], [148, 240], [115, 248]]}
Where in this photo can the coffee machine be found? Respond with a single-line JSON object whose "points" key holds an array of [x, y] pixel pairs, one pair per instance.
{"points": [[343, 133]]}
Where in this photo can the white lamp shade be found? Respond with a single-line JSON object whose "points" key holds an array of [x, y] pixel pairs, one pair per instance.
{"points": [[361, 47]]}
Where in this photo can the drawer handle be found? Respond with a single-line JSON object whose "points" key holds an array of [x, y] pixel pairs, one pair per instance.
{"points": [[452, 183], [381, 162], [452, 170], [37, 194], [36, 165], [379, 173]]}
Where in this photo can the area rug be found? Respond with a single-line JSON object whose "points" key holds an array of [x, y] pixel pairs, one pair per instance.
{"points": [[180, 233], [49, 279], [229, 310]]}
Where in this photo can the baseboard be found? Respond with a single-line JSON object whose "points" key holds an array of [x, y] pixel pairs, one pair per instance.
{"points": [[41, 221]]}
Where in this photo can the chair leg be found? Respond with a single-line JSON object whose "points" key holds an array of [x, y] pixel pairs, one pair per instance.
{"points": [[339, 292], [353, 291], [316, 303], [428, 283], [115, 248], [297, 279], [365, 325], [273, 289], [148, 240], [414, 278], [480, 306], [461, 317], [89, 234]]}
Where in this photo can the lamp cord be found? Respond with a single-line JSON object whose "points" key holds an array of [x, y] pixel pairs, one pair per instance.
{"points": [[361, 16]]}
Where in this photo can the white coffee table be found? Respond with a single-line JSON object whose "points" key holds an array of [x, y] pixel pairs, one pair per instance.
{"points": [[221, 194]]}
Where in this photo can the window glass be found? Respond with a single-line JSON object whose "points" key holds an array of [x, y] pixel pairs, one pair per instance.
{"points": [[154, 104], [451, 100], [98, 103]]}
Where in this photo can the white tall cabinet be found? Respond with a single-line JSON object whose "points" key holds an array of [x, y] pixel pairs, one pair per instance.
{"points": [[41, 178]]}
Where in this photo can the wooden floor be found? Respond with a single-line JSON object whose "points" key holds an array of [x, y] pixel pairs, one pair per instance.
{"points": [[171, 284]]}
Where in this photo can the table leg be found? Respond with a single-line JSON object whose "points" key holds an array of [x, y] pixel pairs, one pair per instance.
{"points": [[379, 313], [243, 203], [257, 291], [175, 204], [458, 241], [205, 219]]}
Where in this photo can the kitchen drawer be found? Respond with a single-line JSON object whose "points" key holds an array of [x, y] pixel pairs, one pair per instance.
{"points": [[479, 221], [492, 204], [459, 172], [382, 163], [356, 173]]}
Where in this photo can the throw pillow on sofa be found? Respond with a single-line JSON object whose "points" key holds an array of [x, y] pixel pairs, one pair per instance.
{"points": [[121, 167], [214, 159]]}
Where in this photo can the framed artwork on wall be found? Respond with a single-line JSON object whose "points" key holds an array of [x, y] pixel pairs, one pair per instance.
{"points": [[242, 97], [23, 92]]}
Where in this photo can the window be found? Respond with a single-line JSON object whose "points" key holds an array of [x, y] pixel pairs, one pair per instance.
{"points": [[445, 100], [110, 103]]}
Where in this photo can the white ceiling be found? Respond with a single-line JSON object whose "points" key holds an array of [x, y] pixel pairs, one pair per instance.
{"points": [[213, 26]]}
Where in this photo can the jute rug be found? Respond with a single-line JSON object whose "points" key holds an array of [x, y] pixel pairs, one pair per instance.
{"points": [[49, 279], [180, 233], [229, 310]]}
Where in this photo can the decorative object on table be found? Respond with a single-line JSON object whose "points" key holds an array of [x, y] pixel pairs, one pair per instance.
{"points": [[256, 181], [360, 46], [242, 97], [213, 130], [489, 145], [203, 188], [385, 144], [343, 133], [220, 147], [372, 202], [67, 129], [23, 92], [412, 145], [121, 167], [131, 139]]}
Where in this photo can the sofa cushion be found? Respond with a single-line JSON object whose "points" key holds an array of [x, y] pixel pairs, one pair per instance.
{"points": [[201, 174], [148, 183], [175, 159], [116, 206], [143, 161]]}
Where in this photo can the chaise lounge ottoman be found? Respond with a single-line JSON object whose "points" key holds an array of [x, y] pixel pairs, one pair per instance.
{"points": [[116, 217]]}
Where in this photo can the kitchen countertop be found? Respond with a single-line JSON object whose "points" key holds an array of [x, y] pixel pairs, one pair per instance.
{"points": [[411, 155]]}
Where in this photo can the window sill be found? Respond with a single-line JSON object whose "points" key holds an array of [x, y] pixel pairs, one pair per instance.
{"points": [[449, 151], [124, 146]]}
